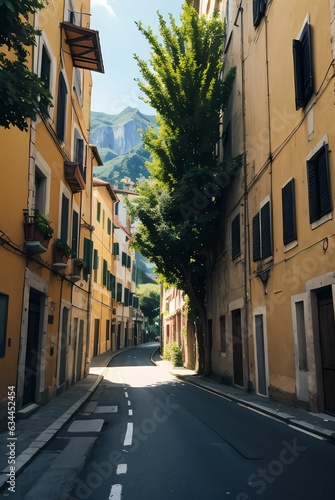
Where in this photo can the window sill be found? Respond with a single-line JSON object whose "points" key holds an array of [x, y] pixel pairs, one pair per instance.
{"points": [[321, 221], [290, 246]]}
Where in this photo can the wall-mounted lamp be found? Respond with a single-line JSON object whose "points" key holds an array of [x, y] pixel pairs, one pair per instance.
{"points": [[264, 276]]}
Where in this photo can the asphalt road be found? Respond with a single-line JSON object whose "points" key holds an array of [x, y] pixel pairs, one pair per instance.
{"points": [[158, 438]]}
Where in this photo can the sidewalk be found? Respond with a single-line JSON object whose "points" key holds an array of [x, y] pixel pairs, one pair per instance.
{"points": [[318, 423], [35, 432]]}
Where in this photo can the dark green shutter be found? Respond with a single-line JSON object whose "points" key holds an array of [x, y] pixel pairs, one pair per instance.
{"points": [[126, 297], [235, 237], [75, 227], [298, 74], [256, 238], [95, 259], [64, 218], [104, 272], [119, 292], [124, 259], [288, 211], [259, 7], [61, 107], [266, 240], [88, 253], [98, 211], [324, 184], [113, 283], [116, 249], [109, 226], [307, 62], [128, 261]]}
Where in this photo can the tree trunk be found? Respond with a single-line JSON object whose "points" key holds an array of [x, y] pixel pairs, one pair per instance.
{"points": [[204, 348]]}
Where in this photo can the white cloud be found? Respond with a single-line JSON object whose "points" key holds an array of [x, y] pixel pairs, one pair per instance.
{"points": [[104, 4]]}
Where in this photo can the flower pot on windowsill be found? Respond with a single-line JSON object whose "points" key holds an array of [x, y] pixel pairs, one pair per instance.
{"points": [[37, 232], [77, 269], [61, 254]]}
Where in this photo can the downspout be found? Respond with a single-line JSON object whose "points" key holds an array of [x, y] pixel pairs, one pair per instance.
{"points": [[246, 265]]}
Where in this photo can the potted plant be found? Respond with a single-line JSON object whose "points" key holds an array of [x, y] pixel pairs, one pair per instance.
{"points": [[78, 265], [62, 252], [37, 228]]}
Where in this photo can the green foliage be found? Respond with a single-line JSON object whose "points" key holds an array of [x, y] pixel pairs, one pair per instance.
{"points": [[22, 93], [62, 245], [172, 352], [182, 83], [42, 222], [149, 300]]}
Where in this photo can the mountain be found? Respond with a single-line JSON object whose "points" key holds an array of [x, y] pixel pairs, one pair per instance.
{"points": [[119, 143]]}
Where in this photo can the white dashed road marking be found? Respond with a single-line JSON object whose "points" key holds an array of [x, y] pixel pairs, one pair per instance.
{"points": [[121, 469], [130, 412], [129, 435], [115, 493]]}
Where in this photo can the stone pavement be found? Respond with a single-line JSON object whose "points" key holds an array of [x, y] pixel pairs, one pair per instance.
{"points": [[35, 432]]}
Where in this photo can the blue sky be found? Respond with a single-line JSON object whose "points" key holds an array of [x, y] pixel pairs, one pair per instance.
{"points": [[120, 39]]}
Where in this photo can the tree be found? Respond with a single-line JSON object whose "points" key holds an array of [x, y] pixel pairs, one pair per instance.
{"points": [[149, 300], [22, 93], [179, 205]]}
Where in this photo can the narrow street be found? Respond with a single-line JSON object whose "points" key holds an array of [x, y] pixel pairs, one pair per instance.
{"points": [[144, 434]]}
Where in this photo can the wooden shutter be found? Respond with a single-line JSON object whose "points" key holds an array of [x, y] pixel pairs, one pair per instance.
{"points": [[259, 7], [307, 62], [119, 292], [95, 259], [298, 74], [128, 261], [75, 228], [288, 210], [4, 299], [116, 249], [266, 243], [324, 183], [104, 272], [80, 154], [124, 259], [314, 212], [126, 297], [98, 211], [256, 238], [109, 226], [88, 253], [113, 282], [64, 218], [235, 237], [61, 107]]}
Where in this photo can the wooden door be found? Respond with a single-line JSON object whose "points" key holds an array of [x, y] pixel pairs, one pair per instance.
{"points": [[237, 347], [327, 342]]}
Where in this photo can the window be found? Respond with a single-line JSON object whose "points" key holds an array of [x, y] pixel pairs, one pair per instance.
{"points": [[116, 208], [112, 285], [78, 78], [320, 203], [79, 151], [288, 210], [104, 272], [88, 252], [95, 259], [134, 274], [128, 261], [124, 259], [235, 237], [261, 233], [75, 229], [40, 190], [45, 77], [119, 292], [223, 333], [3, 323], [107, 328], [258, 10], [64, 225], [126, 296], [109, 226], [116, 248], [303, 68], [61, 107], [98, 211]]}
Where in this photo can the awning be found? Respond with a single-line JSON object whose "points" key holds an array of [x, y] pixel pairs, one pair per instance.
{"points": [[84, 46]]}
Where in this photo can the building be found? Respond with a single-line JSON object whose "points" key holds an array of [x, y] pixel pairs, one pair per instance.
{"points": [[272, 289], [46, 207]]}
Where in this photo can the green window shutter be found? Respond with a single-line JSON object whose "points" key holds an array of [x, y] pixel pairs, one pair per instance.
{"points": [[95, 259], [98, 211], [4, 299], [108, 281], [61, 108], [256, 238], [266, 239], [319, 196], [235, 237], [288, 211], [119, 292], [113, 283], [124, 259], [134, 273], [109, 226], [88, 253], [116, 249], [126, 297], [104, 272], [303, 68], [128, 261]]}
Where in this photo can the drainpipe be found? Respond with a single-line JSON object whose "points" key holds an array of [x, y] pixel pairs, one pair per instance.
{"points": [[246, 265]]}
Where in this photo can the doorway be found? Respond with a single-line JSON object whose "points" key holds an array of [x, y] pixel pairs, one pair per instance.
{"points": [[32, 353], [327, 346], [237, 347], [260, 352]]}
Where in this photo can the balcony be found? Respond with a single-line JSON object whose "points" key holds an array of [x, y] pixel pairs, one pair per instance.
{"points": [[37, 232], [74, 176], [84, 45]]}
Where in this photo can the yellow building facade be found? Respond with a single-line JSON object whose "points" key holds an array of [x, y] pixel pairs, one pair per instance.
{"points": [[45, 292], [272, 290]]}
